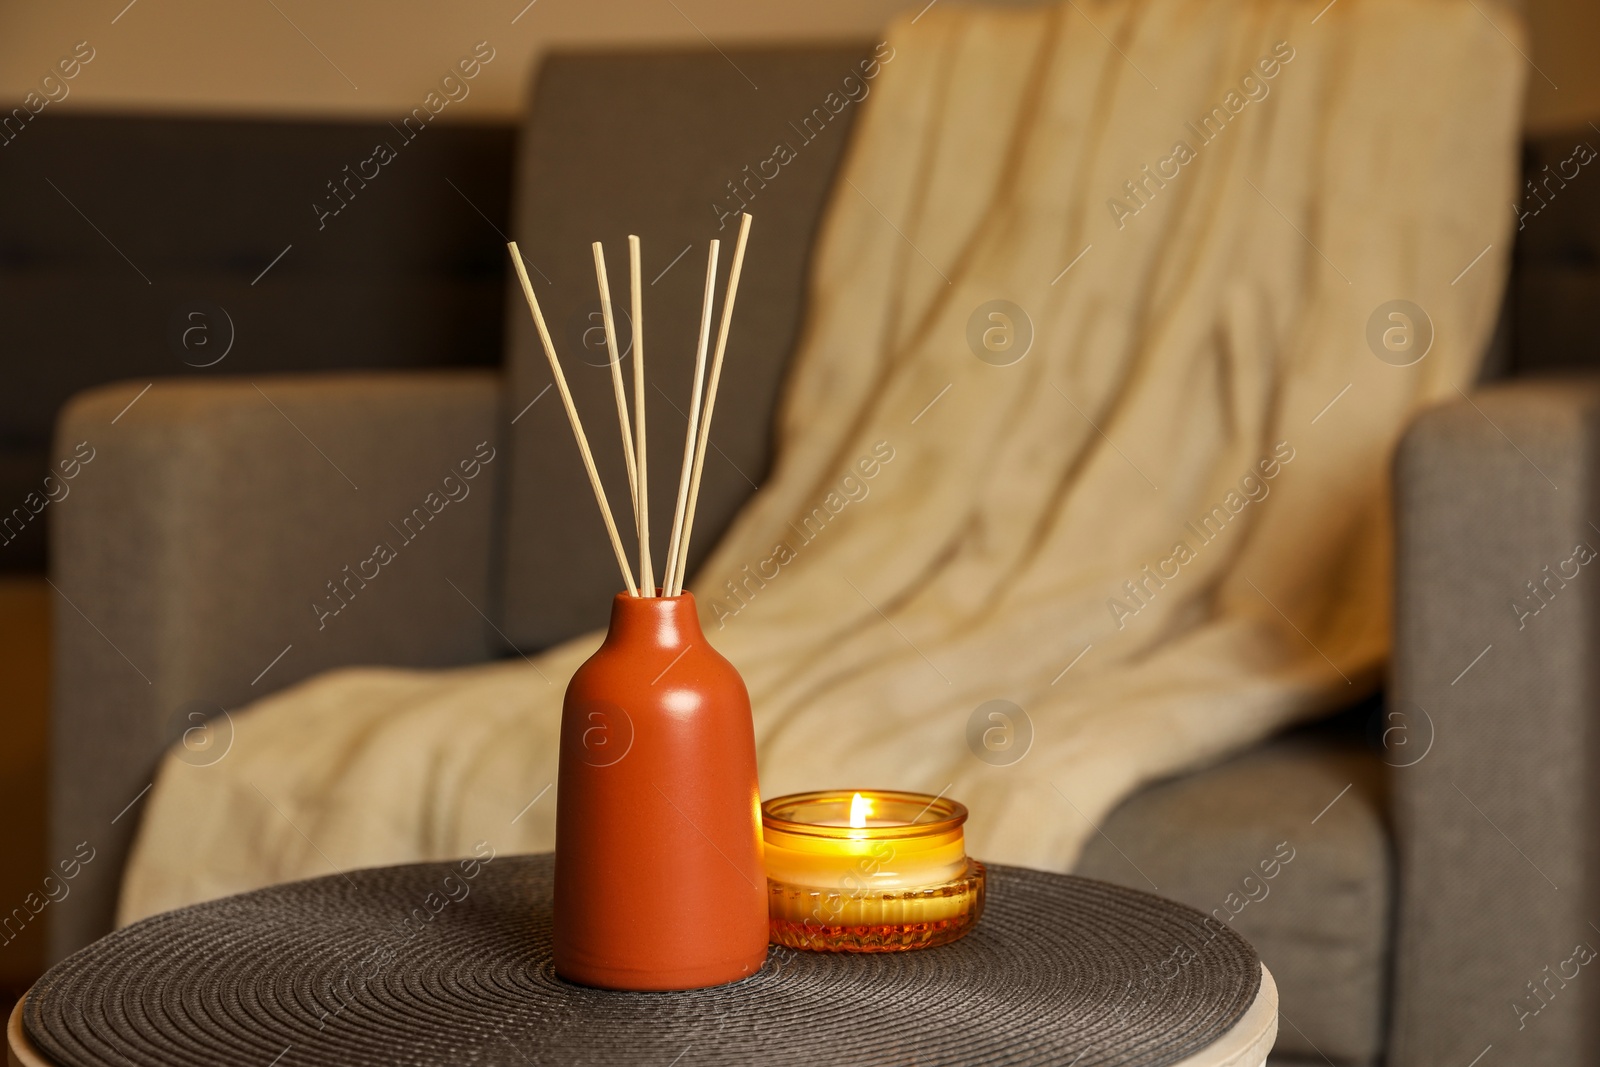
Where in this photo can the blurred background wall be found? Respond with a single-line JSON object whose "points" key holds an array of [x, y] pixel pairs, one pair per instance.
{"points": [[284, 57]]}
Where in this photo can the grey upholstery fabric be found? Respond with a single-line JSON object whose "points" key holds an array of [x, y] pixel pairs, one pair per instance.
{"points": [[1320, 920], [193, 544], [1501, 812], [647, 144]]}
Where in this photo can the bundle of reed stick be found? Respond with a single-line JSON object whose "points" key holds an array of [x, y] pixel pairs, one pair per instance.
{"points": [[702, 404]]}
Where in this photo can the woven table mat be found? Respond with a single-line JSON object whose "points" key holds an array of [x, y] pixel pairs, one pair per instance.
{"points": [[427, 965]]}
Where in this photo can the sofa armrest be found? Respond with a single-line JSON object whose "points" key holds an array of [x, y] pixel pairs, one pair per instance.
{"points": [[221, 539], [1497, 593]]}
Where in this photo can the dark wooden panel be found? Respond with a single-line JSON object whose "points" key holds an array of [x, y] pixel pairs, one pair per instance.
{"points": [[1555, 278], [115, 228]]}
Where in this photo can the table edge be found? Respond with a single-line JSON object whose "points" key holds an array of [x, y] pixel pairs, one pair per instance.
{"points": [[19, 1050], [1248, 1041]]}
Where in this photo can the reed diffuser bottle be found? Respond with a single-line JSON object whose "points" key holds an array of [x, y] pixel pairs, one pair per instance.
{"points": [[659, 880], [659, 875]]}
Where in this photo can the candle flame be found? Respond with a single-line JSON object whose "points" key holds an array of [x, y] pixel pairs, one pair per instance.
{"points": [[860, 808]]}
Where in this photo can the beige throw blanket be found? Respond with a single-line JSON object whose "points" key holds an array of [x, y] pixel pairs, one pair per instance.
{"points": [[1162, 534]]}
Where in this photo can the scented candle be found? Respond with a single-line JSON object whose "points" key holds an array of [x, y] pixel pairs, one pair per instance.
{"points": [[868, 870]]}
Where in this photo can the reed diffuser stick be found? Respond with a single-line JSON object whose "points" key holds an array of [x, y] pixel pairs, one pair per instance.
{"points": [[711, 400], [694, 419], [572, 416], [647, 574], [608, 318]]}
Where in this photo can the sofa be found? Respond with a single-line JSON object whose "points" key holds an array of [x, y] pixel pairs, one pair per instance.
{"points": [[1431, 850]]}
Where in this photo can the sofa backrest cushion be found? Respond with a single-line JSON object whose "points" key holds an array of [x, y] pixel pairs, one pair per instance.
{"points": [[666, 146]]}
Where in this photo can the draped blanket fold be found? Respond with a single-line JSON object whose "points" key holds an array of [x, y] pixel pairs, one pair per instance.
{"points": [[1159, 535]]}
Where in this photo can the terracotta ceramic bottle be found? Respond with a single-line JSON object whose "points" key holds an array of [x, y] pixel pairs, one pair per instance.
{"points": [[659, 879]]}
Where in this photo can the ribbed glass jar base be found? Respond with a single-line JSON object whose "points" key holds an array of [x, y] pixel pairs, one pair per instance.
{"points": [[830, 920]]}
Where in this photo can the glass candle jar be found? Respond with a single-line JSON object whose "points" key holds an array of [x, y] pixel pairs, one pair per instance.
{"points": [[868, 870]]}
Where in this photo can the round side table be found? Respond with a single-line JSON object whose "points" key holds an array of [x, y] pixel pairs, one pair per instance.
{"points": [[448, 963], [1245, 1044]]}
